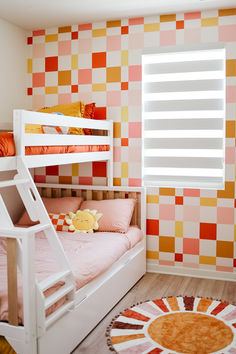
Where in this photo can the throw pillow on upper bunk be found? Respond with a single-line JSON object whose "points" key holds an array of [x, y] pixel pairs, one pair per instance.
{"points": [[84, 221], [75, 109], [89, 113], [117, 213], [54, 205]]}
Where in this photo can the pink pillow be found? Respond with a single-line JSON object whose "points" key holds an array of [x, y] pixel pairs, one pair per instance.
{"points": [[117, 213], [56, 206]]}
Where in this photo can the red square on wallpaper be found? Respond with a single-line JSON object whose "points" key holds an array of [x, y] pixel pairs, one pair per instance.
{"points": [[29, 91], [124, 142], [207, 231], [179, 24], [99, 169], [51, 64], [30, 40], [152, 227], [124, 30], [74, 35], [178, 257], [99, 60], [74, 88], [52, 170], [100, 113], [124, 86], [179, 200]]}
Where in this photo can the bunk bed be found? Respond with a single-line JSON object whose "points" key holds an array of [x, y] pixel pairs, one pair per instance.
{"points": [[81, 309]]}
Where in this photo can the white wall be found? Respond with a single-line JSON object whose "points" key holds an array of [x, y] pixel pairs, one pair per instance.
{"points": [[13, 66]]}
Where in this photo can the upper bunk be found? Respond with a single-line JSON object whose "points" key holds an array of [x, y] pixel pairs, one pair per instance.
{"points": [[98, 147]]}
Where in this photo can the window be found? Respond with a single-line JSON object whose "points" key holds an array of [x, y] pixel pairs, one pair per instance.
{"points": [[183, 94]]}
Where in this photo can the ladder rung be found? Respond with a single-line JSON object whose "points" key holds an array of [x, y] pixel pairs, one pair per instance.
{"points": [[20, 231], [13, 182], [58, 313], [53, 279], [58, 295]]}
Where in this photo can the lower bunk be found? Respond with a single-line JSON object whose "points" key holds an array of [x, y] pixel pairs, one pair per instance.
{"points": [[105, 266]]}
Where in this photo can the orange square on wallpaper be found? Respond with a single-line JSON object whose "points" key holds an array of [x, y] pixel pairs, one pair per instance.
{"points": [[64, 77], [179, 24], [231, 67], [224, 249], [38, 79], [124, 86], [124, 142], [228, 192], [114, 74], [230, 129], [166, 244], [99, 60]]}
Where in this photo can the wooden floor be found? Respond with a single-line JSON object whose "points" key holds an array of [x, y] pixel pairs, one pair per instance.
{"points": [[153, 286]]}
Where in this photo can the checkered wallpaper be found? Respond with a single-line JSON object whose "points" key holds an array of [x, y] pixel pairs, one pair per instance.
{"points": [[101, 62]]}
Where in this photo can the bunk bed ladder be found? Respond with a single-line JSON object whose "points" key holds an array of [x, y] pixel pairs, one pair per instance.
{"points": [[66, 289]]}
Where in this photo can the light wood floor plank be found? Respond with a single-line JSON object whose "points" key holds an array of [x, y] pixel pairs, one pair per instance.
{"points": [[153, 286]]}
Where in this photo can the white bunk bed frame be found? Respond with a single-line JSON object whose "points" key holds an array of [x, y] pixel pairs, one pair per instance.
{"points": [[65, 328]]}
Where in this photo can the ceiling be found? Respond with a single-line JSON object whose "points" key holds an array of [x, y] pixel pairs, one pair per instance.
{"points": [[37, 14]]}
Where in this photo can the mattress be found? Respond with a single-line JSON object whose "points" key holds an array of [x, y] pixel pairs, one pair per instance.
{"points": [[89, 256], [7, 147]]}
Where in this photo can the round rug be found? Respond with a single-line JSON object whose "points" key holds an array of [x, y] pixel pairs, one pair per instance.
{"points": [[186, 325]]}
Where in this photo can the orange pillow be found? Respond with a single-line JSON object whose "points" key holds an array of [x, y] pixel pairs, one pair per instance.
{"points": [[89, 113]]}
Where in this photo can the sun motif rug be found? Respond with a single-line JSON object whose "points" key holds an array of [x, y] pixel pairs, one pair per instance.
{"points": [[186, 325]]}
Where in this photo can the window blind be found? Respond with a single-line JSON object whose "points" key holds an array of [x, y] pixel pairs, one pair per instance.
{"points": [[183, 99]]}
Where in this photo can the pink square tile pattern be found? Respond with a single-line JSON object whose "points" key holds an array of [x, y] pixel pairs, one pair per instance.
{"points": [[113, 98], [225, 215], [166, 212], [227, 33], [168, 38], [113, 43], [135, 129], [38, 79], [192, 35], [85, 45], [192, 15], [85, 76], [190, 246], [64, 47], [191, 213], [230, 155], [135, 73], [231, 94], [64, 98], [100, 48], [136, 40], [135, 182], [136, 21], [38, 50]]}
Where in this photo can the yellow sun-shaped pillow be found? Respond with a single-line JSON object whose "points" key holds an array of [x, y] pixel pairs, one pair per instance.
{"points": [[83, 221]]}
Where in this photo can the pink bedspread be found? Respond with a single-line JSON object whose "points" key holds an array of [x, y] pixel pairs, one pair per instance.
{"points": [[89, 256]]}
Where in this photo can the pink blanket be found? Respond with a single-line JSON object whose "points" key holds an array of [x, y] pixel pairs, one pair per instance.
{"points": [[89, 256]]}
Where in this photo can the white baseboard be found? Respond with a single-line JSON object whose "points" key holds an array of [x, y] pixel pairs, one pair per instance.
{"points": [[190, 272]]}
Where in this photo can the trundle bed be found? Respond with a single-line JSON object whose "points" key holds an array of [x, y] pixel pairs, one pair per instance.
{"points": [[35, 318]]}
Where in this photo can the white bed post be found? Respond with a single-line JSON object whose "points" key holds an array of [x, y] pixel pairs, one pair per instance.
{"points": [[29, 294], [109, 162], [19, 131]]}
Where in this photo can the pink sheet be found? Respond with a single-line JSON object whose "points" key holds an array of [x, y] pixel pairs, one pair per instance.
{"points": [[89, 256]]}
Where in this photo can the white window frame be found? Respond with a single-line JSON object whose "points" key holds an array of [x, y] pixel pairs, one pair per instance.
{"points": [[153, 175]]}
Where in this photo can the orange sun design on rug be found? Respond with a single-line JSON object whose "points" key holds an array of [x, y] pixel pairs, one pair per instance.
{"points": [[186, 325]]}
